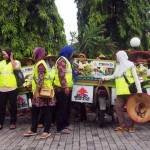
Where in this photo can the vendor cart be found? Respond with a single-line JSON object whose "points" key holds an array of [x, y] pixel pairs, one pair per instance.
{"points": [[89, 89]]}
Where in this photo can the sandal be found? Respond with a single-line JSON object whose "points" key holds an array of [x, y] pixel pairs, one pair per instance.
{"points": [[69, 128], [12, 126], [121, 129], [65, 131], [44, 135], [29, 133], [40, 126], [131, 130]]}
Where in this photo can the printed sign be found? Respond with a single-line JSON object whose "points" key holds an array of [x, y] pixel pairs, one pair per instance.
{"points": [[82, 94], [93, 68], [22, 101], [27, 71]]}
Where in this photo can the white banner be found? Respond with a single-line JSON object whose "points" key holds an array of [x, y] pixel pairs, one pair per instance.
{"points": [[27, 71], [82, 94]]}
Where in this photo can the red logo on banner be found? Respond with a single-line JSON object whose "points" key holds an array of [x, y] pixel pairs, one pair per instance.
{"points": [[82, 92]]}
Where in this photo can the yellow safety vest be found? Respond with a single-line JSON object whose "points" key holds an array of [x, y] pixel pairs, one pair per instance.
{"points": [[52, 73], [47, 80], [7, 77], [68, 74], [121, 84]]}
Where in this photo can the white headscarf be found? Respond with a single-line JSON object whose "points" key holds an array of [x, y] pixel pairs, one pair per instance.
{"points": [[124, 63]]}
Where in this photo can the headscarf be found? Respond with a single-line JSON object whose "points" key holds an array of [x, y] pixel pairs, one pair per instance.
{"points": [[124, 63], [38, 53], [66, 52]]}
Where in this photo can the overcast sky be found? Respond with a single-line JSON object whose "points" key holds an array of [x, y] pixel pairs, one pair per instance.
{"points": [[68, 12]]}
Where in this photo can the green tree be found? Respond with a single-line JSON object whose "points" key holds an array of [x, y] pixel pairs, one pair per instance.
{"points": [[122, 19], [26, 24], [92, 41]]}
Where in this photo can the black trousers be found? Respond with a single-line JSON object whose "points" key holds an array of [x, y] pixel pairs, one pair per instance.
{"points": [[46, 114], [62, 109], [83, 116], [53, 116], [9, 98]]}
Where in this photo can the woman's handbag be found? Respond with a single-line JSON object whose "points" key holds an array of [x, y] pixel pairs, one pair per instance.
{"points": [[19, 77], [46, 92], [131, 86]]}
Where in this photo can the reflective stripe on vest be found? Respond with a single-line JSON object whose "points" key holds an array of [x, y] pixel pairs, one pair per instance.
{"points": [[47, 81], [68, 74], [7, 77], [121, 84]]}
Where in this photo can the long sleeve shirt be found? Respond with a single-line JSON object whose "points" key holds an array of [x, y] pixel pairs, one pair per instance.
{"points": [[134, 73]]}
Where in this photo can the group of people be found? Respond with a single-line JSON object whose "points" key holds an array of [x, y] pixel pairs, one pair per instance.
{"points": [[60, 80]]}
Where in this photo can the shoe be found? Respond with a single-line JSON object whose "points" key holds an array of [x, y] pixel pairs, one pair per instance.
{"points": [[44, 135], [40, 126], [1, 127], [12, 127], [29, 133]]}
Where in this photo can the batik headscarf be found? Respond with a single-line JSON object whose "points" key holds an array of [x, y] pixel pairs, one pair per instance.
{"points": [[66, 52], [39, 53]]}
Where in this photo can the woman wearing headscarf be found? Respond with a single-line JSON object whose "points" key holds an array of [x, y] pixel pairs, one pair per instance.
{"points": [[41, 78], [8, 86], [63, 83], [124, 67]]}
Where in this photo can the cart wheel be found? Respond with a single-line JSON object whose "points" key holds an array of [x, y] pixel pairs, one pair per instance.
{"points": [[101, 117]]}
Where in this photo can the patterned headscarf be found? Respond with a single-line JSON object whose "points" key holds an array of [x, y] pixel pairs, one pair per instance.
{"points": [[39, 53], [66, 52]]}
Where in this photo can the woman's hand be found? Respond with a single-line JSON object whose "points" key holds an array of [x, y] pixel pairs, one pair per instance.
{"points": [[13, 62], [11, 57], [67, 91], [105, 78], [36, 93]]}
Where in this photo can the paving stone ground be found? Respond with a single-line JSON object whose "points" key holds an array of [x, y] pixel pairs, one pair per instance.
{"points": [[85, 136]]}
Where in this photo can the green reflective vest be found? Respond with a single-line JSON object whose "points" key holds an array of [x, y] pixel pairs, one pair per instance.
{"points": [[68, 74], [7, 77]]}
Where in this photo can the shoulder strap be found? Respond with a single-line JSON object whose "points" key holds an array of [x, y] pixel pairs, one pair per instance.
{"points": [[127, 81]]}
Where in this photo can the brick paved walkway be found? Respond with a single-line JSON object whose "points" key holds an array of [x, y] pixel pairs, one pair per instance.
{"points": [[85, 136]]}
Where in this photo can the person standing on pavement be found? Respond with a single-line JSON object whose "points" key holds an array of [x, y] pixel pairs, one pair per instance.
{"points": [[41, 78], [63, 83], [123, 68], [8, 88]]}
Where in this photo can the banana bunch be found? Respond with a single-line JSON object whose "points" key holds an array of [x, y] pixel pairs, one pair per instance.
{"points": [[28, 81], [141, 70], [85, 69]]}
